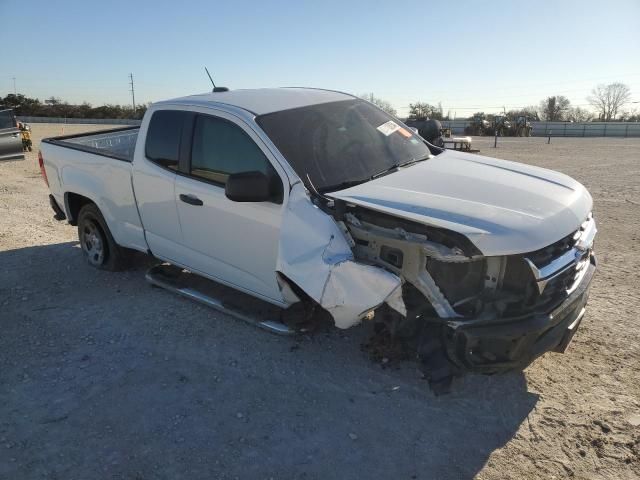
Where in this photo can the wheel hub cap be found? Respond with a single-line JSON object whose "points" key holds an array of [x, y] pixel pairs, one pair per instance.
{"points": [[92, 244]]}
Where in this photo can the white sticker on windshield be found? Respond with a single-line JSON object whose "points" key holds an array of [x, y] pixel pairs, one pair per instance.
{"points": [[388, 128]]}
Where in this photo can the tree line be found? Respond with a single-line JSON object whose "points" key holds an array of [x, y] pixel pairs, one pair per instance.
{"points": [[55, 107], [607, 102]]}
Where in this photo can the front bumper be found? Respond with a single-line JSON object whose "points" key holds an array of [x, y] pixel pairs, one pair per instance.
{"points": [[490, 346]]}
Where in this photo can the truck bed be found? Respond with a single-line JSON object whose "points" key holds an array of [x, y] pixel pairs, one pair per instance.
{"points": [[118, 143], [98, 167]]}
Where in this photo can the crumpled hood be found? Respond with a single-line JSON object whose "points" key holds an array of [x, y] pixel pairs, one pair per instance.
{"points": [[502, 207]]}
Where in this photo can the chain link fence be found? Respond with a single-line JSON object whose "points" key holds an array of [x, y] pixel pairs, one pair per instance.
{"points": [[565, 129]]}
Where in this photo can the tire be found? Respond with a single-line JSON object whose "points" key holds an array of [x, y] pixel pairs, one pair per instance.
{"points": [[97, 243]]}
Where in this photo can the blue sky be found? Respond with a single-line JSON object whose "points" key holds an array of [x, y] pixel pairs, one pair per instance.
{"points": [[469, 55]]}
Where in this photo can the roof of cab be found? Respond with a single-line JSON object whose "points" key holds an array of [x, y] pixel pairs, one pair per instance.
{"points": [[265, 100]]}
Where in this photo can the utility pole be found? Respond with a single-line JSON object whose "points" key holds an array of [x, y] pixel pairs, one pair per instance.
{"points": [[14, 86], [133, 93]]}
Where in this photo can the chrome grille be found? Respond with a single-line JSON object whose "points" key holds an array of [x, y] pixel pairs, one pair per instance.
{"points": [[559, 268], [546, 255], [554, 271]]}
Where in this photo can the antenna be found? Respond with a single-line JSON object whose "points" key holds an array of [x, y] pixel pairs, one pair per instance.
{"points": [[215, 89], [207, 70]]}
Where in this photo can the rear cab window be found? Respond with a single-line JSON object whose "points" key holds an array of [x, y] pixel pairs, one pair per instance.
{"points": [[164, 136]]}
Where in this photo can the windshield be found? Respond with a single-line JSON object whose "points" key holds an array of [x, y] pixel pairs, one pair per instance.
{"points": [[341, 143]]}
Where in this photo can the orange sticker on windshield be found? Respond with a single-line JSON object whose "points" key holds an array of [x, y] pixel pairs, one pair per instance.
{"points": [[404, 132]]}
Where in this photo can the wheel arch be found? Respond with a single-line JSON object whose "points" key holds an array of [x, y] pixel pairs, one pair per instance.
{"points": [[73, 203]]}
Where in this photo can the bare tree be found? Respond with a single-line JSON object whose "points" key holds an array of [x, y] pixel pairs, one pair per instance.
{"points": [[423, 111], [634, 116], [577, 114], [380, 103], [553, 109], [608, 99]]}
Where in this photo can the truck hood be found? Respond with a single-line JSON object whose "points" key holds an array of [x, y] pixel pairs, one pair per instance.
{"points": [[503, 207]]}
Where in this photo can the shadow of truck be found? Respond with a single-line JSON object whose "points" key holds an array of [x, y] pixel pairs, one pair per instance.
{"points": [[101, 373]]}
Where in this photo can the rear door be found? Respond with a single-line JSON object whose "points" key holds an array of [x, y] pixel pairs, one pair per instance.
{"points": [[233, 242], [154, 174], [10, 140]]}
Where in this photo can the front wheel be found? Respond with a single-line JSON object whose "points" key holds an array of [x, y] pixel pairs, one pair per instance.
{"points": [[97, 243]]}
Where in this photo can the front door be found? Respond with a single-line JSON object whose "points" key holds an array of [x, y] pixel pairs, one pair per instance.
{"points": [[233, 242]]}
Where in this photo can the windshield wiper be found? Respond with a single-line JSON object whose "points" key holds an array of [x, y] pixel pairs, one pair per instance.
{"points": [[386, 171], [353, 183], [414, 160], [396, 166], [342, 185]]}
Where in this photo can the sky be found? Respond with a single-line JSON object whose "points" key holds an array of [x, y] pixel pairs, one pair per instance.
{"points": [[469, 55]]}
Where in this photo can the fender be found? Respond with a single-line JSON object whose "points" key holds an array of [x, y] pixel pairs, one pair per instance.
{"points": [[316, 256], [117, 205]]}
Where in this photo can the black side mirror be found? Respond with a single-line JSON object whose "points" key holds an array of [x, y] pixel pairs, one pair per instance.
{"points": [[248, 187]]}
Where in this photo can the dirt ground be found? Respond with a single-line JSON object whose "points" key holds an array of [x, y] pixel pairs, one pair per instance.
{"points": [[102, 376]]}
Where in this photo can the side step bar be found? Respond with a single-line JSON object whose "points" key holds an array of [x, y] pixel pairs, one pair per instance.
{"points": [[168, 277]]}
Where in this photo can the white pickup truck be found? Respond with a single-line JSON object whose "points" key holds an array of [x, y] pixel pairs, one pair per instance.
{"points": [[315, 198]]}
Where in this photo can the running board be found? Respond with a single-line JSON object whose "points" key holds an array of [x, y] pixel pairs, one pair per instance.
{"points": [[169, 278]]}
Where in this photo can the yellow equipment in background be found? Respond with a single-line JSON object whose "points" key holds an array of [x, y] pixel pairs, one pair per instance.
{"points": [[25, 133]]}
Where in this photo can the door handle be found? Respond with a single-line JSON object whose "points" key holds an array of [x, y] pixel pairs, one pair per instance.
{"points": [[191, 199]]}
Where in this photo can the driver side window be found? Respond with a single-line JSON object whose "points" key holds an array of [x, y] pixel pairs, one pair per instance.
{"points": [[221, 148]]}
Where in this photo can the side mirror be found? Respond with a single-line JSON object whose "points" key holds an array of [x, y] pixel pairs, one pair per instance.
{"points": [[247, 187]]}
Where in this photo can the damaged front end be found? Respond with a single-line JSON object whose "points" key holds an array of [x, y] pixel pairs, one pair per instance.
{"points": [[485, 314], [433, 290]]}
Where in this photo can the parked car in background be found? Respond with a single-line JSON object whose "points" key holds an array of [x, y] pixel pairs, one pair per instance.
{"points": [[10, 139]]}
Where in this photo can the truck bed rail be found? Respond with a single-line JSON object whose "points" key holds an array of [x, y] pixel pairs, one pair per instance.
{"points": [[117, 143]]}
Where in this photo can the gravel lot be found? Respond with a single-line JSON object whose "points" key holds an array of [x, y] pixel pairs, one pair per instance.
{"points": [[102, 376]]}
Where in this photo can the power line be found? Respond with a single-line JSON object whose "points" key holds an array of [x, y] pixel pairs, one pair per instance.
{"points": [[133, 93]]}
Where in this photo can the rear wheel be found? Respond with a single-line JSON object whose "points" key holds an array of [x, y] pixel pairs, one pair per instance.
{"points": [[97, 243]]}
